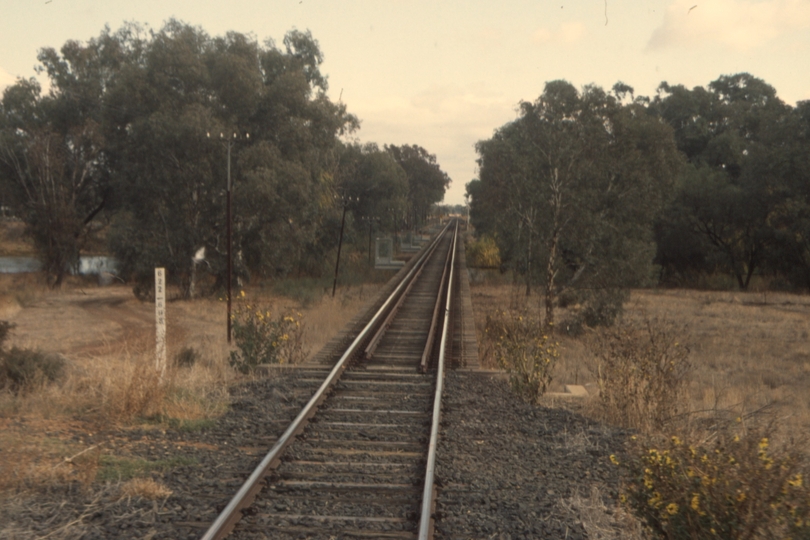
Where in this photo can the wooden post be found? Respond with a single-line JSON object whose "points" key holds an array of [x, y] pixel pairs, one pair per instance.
{"points": [[160, 320]]}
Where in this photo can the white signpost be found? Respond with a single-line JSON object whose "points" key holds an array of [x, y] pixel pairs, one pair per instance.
{"points": [[160, 320]]}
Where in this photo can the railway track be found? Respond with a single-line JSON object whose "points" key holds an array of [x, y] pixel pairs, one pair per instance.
{"points": [[358, 460]]}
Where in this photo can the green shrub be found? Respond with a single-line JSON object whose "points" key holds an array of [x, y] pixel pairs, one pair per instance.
{"points": [[187, 357], [264, 339], [524, 351], [642, 370], [23, 367], [5, 330], [739, 487], [590, 308], [305, 291], [116, 469]]}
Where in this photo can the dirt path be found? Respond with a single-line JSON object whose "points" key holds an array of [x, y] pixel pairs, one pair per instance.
{"points": [[92, 322]]}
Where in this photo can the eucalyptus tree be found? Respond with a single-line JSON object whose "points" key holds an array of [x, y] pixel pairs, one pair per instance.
{"points": [[722, 213], [374, 185], [193, 110], [782, 166], [427, 182], [53, 159], [574, 183]]}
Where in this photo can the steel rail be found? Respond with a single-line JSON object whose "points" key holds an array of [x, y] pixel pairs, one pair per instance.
{"points": [[375, 341], [230, 514], [434, 321], [426, 518]]}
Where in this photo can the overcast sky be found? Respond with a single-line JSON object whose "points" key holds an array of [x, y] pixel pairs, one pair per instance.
{"points": [[446, 74]]}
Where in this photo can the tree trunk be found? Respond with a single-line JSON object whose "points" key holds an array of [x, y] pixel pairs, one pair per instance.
{"points": [[529, 265], [192, 280], [556, 205], [550, 273]]}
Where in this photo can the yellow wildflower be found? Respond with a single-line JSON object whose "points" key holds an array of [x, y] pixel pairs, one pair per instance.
{"points": [[797, 481], [672, 509], [695, 504], [614, 459]]}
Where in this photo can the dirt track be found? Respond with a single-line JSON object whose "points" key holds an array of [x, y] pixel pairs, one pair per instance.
{"points": [[94, 321]]}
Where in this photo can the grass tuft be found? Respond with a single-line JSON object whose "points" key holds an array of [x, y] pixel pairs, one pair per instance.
{"points": [[145, 488], [114, 468]]}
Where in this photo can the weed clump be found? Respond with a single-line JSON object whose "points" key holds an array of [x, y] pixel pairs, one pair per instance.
{"points": [[262, 338], [186, 357], [145, 488], [524, 351], [23, 368], [642, 370]]}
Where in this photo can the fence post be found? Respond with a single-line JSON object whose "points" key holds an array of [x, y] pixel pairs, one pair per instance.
{"points": [[160, 320]]}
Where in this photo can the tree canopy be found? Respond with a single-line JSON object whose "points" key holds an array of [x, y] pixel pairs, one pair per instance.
{"points": [[740, 202], [140, 130], [718, 174], [426, 180], [569, 191]]}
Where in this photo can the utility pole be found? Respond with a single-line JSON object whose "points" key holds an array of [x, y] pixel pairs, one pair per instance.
{"points": [[229, 141], [346, 201]]}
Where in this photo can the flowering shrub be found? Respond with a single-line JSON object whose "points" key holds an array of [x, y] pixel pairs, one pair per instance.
{"points": [[741, 487], [524, 351], [262, 338], [482, 253]]}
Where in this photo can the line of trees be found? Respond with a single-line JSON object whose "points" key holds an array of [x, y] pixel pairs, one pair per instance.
{"points": [[130, 140], [588, 193]]}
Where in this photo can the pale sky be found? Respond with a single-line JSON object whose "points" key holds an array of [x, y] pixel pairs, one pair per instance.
{"points": [[446, 74]]}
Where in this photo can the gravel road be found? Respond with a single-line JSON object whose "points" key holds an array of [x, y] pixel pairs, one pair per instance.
{"points": [[506, 469]]}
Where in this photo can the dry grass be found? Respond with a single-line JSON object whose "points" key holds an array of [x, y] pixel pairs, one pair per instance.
{"points": [[107, 338], [13, 242], [599, 521], [749, 350], [750, 359], [146, 488], [35, 453]]}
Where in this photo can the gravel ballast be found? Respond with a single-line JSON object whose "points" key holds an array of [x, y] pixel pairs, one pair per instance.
{"points": [[506, 469], [509, 469]]}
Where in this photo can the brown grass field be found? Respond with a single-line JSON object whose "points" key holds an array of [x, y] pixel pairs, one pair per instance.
{"points": [[107, 339], [749, 350]]}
